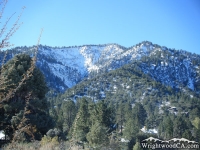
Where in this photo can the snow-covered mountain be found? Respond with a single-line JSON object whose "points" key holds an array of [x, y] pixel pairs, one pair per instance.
{"points": [[64, 67]]}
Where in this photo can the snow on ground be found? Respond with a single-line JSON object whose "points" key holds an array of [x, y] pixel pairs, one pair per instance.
{"points": [[154, 131], [91, 56], [1, 134], [85, 59], [68, 56], [103, 94], [59, 71], [124, 140], [115, 87], [153, 66], [190, 82]]}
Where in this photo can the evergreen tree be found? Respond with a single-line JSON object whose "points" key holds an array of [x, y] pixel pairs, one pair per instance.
{"points": [[127, 110], [187, 134], [139, 114], [179, 127], [103, 115], [131, 129], [93, 112], [69, 114], [166, 128], [97, 137], [120, 117], [135, 122], [12, 74], [81, 122]]}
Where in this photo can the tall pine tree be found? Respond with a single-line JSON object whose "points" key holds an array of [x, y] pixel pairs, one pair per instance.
{"points": [[81, 123]]}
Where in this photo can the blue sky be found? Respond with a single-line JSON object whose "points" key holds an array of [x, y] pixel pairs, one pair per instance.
{"points": [[171, 23]]}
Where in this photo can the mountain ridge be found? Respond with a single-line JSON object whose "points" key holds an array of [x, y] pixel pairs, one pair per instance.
{"points": [[67, 66]]}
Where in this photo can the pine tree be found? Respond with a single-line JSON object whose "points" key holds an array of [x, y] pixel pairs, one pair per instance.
{"points": [[12, 75], [135, 122], [103, 114], [81, 126], [69, 114], [179, 127], [97, 137], [120, 117], [139, 114], [168, 127], [131, 129]]}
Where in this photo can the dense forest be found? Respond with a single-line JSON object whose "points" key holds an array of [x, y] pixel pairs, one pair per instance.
{"points": [[107, 111], [132, 100]]}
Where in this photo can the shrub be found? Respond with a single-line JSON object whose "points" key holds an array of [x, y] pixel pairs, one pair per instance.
{"points": [[46, 139]]}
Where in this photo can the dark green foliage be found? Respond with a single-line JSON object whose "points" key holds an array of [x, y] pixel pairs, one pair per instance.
{"points": [[131, 129], [100, 113], [97, 137], [27, 109], [175, 127], [166, 128], [135, 122], [139, 114], [136, 101], [179, 126], [69, 113], [120, 117], [81, 122], [15, 70]]}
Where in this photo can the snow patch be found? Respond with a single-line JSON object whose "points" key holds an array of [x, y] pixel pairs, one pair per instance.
{"points": [[152, 131], [124, 140], [190, 81], [2, 135]]}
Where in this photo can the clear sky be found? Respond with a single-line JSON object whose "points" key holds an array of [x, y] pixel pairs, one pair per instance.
{"points": [[171, 23]]}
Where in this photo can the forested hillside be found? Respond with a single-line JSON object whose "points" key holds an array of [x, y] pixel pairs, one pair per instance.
{"points": [[143, 91], [132, 100]]}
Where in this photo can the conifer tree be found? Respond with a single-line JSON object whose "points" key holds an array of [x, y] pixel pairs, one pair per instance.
{"points": [[81, 123], [139, 114], [13, 72], [179, 127], [97, 137], [69, 114], [166, 128], [131, 129], [135, 122], [120, 117], [103, 114]]}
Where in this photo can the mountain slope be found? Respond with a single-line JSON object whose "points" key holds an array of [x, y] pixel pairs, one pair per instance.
{"points": [[64, 67], [129, 84]]}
